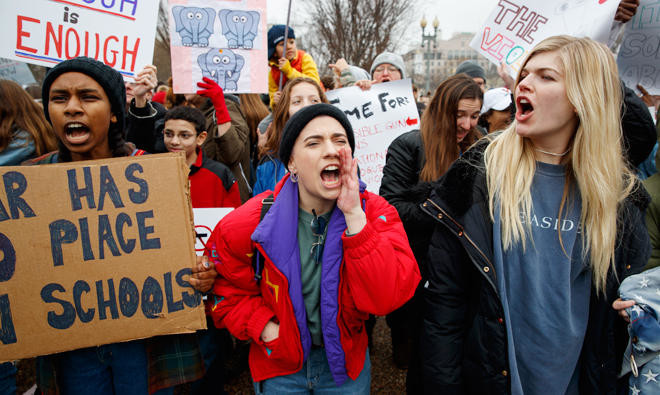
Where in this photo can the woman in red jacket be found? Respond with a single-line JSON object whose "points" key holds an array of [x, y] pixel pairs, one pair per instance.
{"points": [[300, 281]]}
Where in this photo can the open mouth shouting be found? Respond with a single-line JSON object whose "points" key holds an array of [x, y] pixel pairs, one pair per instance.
{"points": [[524, 109], [330, 176], [460, 134], [76, 133]]}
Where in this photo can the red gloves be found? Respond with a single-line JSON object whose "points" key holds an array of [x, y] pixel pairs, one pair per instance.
{"points": [[214, 92]]}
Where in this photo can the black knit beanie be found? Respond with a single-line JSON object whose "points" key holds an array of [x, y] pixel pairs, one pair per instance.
{"points": [[110, 80], [300, 119]]}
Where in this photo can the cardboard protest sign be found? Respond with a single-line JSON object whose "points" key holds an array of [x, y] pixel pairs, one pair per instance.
{"points": [[16, 71], [639, 55], [516, 26], [378, 116], [119, 33], [205, 221], [95, 253], [222, 40]]}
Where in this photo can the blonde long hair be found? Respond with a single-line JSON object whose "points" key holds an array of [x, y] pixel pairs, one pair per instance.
{"points": [[595, 163]]}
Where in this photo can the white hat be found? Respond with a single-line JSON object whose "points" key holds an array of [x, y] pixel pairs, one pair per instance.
{"points": [[497, 99]]}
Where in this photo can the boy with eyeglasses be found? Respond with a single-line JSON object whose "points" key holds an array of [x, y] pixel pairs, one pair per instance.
{"points": [[212, 184]]}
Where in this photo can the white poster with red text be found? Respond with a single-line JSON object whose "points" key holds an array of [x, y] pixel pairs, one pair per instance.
{"points": [[378, 116], [119, 33]]}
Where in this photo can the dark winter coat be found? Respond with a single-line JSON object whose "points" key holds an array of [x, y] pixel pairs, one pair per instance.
{"points": [[401, 187], [639, 133], [212, 184], [144, 126], [232, 148], [464, 342]]}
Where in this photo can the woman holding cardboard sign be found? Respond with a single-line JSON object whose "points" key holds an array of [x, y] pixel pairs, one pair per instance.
{"points": [[301, 268], [84, 100]]}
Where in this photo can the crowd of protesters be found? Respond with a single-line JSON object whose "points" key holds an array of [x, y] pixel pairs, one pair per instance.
{"points": [[495, 248]]}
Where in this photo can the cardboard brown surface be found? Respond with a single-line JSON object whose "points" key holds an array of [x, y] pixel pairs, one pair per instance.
{"points": [[80, 269]]}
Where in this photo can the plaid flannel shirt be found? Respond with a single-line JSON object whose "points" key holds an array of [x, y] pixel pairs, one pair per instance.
{"points": [[172, 360]]}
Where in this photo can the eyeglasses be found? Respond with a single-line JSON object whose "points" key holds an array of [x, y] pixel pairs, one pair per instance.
{"points": [[318, 225], [390, 69]]}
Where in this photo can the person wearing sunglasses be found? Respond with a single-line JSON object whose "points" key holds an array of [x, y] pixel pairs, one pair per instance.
{"points": [[301, 279]]}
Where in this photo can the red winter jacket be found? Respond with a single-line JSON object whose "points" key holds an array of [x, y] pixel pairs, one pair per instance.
{"points": [[373, 272], [212, 184]]}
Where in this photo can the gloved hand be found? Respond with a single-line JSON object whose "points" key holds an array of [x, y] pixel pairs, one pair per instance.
{"points": [[214, 92]]}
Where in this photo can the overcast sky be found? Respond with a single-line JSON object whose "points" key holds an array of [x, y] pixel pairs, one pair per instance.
{"points": [[454, 15]]}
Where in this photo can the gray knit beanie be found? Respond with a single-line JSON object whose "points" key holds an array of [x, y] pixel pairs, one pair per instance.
{"points": [[391, 58], [472, 69]]}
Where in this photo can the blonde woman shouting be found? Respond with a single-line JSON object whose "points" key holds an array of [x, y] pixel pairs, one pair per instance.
{"points": [[536, 226]]}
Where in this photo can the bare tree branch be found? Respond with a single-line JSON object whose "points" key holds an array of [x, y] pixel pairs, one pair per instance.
{"points": [[356, 30], [162, 27], [162, 58]]}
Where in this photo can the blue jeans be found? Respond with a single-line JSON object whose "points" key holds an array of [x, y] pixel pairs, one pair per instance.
{"points": [[119, 368], [315, 377], [7, 378]]}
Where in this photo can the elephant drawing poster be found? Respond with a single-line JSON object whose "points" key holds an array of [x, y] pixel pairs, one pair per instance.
{"points": [[221, 40]]}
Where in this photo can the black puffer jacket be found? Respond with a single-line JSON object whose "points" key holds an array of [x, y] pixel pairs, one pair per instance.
{"points": [[639, 134], [464, 342], [401, 188], [142, 126]]}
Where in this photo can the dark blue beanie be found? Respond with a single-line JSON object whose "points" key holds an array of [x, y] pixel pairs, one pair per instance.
{"points": [[275, 35]]}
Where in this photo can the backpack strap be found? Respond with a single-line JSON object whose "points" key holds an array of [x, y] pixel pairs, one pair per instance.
{"points": [[257, 265], [257, 258]]}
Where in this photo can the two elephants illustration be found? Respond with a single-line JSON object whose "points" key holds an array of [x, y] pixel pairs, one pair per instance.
{"points": [[195, 25]]}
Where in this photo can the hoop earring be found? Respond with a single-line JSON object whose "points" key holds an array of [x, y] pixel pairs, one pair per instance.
{"points": [[294, 177]]}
